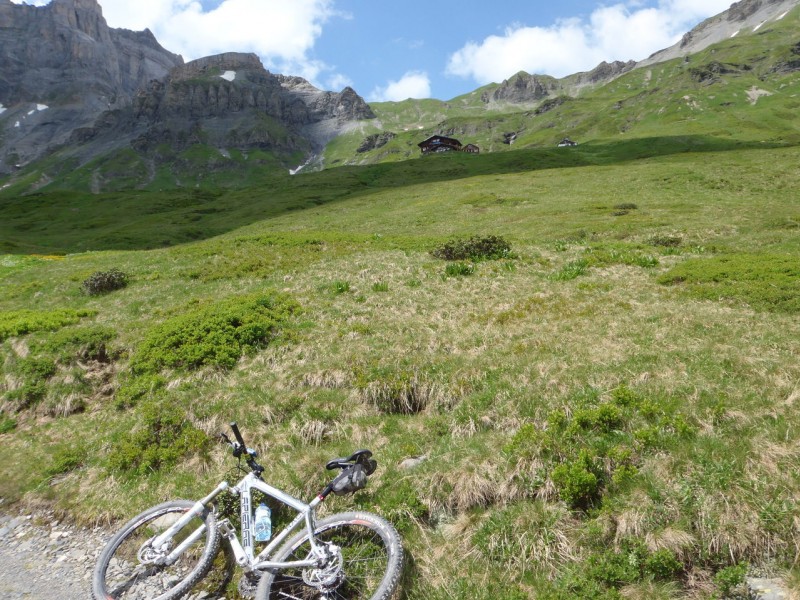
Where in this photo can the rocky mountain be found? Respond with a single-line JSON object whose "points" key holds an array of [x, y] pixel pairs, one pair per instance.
{"points": [[70, 84], [524, 88], [60, 67], [228, 101], [741, 17]]}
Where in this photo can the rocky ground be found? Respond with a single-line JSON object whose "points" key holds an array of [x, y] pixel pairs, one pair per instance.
{"points": [[40, 558]]}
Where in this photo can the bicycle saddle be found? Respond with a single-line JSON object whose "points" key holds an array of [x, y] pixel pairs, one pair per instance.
{"points": [[357, 457]]}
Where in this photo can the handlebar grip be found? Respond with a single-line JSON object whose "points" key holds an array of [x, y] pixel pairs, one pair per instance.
{"points": [[238, 435]]}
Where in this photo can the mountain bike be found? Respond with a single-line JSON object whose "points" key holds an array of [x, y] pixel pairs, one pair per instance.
{"points": [[165, 551]]}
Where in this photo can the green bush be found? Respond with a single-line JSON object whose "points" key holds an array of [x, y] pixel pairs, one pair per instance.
{"points": [[101, 282], [7, 424], [729, 578], [35, 369], [88, 343], [20, 322], [662, 564], [67, 457], [491, 247], [137, 388], [216, 335], [163, 436], [577, 482]]}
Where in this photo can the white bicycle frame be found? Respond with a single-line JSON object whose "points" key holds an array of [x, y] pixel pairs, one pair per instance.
{"points": [[244, 551]]}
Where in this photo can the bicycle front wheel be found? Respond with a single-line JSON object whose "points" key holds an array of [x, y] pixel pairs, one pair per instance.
{"points": [[367, 562], [130, 569]]}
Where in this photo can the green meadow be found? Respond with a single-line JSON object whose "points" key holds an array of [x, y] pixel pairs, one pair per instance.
{"points": [[604, 405]]}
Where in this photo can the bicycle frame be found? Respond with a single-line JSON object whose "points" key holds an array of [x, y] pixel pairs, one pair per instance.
{"points": [[244, 551]]}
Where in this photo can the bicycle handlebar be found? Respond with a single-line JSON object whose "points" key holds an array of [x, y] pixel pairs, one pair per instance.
{"points": [[239, 448], [238, 435]]}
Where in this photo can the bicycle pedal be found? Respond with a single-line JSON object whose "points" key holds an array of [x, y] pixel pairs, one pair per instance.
{"points": [[226, 529]]}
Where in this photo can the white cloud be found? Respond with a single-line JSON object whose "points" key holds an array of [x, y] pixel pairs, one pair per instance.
{"points": [[337, 82], [623, 31], [282, 33], [414, 84]]}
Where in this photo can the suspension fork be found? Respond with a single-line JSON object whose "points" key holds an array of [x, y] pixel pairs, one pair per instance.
{"points": [[198, 509]]}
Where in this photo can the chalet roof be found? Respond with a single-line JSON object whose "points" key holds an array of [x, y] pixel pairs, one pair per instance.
{"points": [[439, 139]]}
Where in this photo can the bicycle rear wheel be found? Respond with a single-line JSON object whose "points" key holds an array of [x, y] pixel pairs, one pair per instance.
{"points": [[128, 568], [368, 563]]}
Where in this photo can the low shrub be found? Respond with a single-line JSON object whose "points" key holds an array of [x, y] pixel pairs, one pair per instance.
{"points": [[67, 457], [216, 335], [577, 482], [87, 343], [102, 282], [7, 424], [162, 437], [730, 578], [21, 322], [490, 247]]}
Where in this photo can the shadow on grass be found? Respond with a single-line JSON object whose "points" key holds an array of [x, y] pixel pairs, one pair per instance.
{"points": [[58, 221]]}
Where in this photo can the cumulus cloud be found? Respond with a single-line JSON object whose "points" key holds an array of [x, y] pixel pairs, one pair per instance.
{"points": [[414, 84], [622, 31], [281, 33]]}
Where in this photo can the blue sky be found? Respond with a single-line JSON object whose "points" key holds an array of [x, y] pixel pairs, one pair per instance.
{"points": [[396, 50]]}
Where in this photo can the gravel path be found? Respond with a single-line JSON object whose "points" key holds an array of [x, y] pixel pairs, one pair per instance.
{"points": [[45, 560]]}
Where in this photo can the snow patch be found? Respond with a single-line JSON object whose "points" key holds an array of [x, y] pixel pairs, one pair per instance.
{"points": [[30, 112], [42, 107], [735, 33], [2, 108], [16, 124], [753, 94], [783, 15], [229, 75], [757, 27]]}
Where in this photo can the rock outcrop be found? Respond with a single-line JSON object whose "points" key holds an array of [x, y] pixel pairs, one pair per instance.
{"points": [[60, 66], [747, 15], [69, 81]]}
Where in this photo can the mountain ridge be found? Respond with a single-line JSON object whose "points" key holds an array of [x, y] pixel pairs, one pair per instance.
{"points": [[146, 116]]}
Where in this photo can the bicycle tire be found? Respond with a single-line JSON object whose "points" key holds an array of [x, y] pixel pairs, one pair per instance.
{"points": [[120, 575], [371, 554]]}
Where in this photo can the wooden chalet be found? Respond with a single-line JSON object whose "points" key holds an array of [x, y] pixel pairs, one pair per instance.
{"points": [[566, 143], [439, 143], [471, 148]]}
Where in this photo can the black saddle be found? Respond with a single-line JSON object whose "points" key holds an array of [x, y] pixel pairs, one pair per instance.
{"points": [[359, 457]]}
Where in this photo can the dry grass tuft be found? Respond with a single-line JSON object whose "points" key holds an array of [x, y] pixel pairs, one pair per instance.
{"points": [[409, 396], [313, 432], [680, 543], [650, 591], [332, 379]]}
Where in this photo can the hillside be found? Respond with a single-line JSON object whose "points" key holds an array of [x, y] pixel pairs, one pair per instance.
{"points": [[745, 86], [608, 409]]}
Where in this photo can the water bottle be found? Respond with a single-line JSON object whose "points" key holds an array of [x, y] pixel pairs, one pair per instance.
{"points": [[263, 523]]}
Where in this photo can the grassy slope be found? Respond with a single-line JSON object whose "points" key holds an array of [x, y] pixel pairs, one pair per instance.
{"points": [[509, 366]]}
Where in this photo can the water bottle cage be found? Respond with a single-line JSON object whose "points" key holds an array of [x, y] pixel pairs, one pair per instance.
{"points": [[350, 480]]}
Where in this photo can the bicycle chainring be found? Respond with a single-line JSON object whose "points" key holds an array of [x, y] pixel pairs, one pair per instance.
{"points": [[247, 585]]}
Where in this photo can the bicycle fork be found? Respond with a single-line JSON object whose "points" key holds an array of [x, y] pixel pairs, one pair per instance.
{"points": [[198, 509]]}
